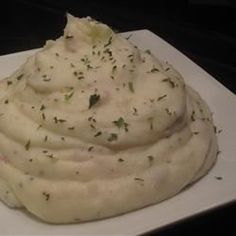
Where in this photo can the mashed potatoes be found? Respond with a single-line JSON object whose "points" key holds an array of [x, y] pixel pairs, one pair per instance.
{"points": [[92, 127]]}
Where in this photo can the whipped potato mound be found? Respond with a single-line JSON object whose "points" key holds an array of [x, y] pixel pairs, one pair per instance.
{"points": [[93, 127]]}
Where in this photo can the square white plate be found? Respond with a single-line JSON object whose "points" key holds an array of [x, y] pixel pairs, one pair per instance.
{"points": [[206, 194]]}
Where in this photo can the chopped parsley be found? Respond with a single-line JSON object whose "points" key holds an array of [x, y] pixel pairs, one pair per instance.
{"points": [[150, 158], [153, 70], [46, 79], [131, 87], [170, 82], [98, 134], [129, 36], [43, 116], [39, 126], [80, 77], [93, 100], [109, 42], [192, 116], [27, 145], [46, 195], [120, 123], [42, 107], [135, 113], [161, 97], [150, 119], [56, 120], [138, 179], [19, 77], [45, 138], [69, 36], [69, 96], [169, 113], [112, 137], [218, 177], [114, 68]]}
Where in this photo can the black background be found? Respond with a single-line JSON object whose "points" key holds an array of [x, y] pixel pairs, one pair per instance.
{"points": [[205, 31]]}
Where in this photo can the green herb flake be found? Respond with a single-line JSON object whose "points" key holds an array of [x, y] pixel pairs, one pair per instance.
{"points": [[154, 69], [93, 100], [170, 82], [42, 107], [148, 52], [112, 137], [43, 116], [150, 119], [27, 145], [46, 80], [192, 116], [50, 156], [69, 36], [150, 158], [98, 134], [114, 68], [39, 126], [218, 177], [135, 112], [19, 77], [131, 87], [90, 148], [138, 179], [46, 195], [109, 42], [169, 113], [120, 123], [120, 160], [129, 36], [92, 126], [67, 97], [161, 97], [56, 120]]}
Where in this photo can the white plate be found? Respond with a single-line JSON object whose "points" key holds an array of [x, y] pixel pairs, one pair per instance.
{"points": [[206, 194]]}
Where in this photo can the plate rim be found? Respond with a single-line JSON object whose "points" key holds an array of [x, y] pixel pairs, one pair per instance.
{"points": [[205, 73]]}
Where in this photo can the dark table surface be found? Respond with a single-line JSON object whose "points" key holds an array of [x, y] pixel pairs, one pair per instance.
{"points": [[206, 33]]}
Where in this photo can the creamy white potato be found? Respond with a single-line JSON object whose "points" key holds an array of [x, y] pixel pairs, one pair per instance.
{"points": [[92, 127]]}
